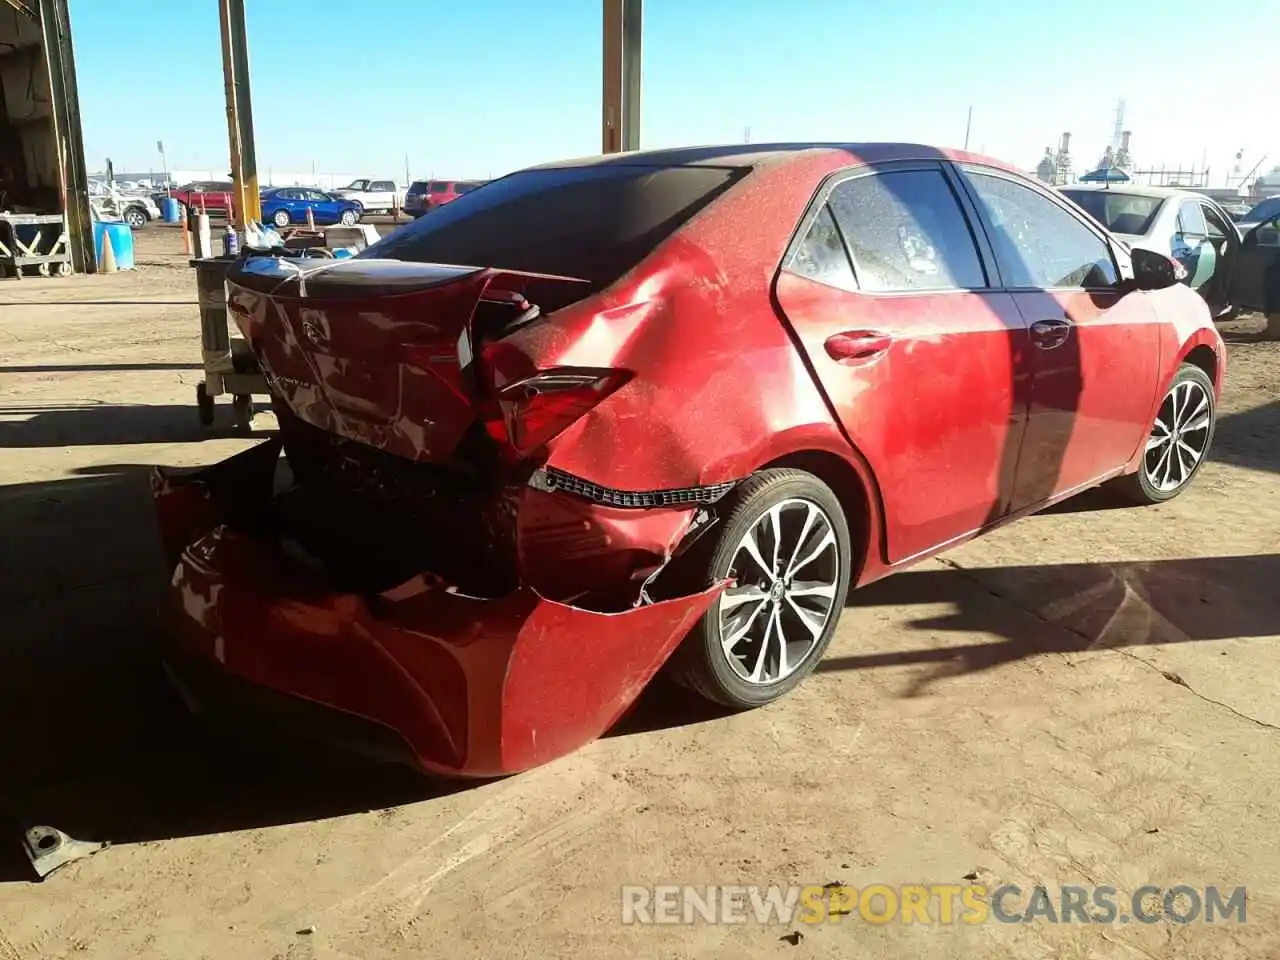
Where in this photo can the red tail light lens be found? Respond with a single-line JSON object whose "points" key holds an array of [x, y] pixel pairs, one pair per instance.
{"points": [[538, 408]]}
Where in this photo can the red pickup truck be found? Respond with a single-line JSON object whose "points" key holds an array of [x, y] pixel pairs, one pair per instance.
{"points": [[207, 195]]}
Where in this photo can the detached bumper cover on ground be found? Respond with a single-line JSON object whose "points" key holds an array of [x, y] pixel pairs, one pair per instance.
{"points": [[474, 687]]}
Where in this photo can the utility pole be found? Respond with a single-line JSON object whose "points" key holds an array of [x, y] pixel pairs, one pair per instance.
{"points": [[968, 125], [235, 71], [623, 20], [746, 134]]}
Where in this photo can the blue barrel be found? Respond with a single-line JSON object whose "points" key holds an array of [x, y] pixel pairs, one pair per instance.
{"points": [[121, 242], [170, 210]]}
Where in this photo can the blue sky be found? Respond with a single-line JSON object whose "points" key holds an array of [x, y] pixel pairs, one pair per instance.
{"points": [[480, 88]]}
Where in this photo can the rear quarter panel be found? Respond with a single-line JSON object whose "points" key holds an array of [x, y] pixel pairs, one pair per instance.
{"points": [[1185, 325], [719, 388]]}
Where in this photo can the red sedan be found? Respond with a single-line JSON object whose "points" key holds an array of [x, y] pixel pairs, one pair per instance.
{"points": [[657, 408]]}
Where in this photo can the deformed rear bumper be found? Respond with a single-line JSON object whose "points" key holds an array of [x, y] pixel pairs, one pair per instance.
{"points": [[472, 686]]}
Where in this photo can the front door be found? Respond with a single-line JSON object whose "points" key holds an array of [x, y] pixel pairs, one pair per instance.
{"points": [[1255, 281], [922, 361], [1225, 240], [1095, 351]]}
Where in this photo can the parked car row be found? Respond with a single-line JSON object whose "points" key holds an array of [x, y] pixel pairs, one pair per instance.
{"points": [[286, 205], [1225, 261]]}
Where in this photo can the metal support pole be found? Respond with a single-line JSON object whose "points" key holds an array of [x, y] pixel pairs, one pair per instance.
{"points": [[623, 23], [235, 71]]}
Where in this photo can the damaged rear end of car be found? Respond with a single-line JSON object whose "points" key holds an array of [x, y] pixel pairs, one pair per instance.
{"points": [[414, 559]]}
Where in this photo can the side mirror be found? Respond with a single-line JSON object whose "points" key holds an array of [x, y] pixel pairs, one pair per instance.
{"points": [[1153, 271]]}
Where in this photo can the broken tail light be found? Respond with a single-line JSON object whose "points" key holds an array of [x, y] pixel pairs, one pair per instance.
{"points": [[536, 409]]}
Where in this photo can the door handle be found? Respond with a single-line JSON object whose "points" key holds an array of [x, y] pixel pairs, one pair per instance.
{"points": [[1048, 334], [854, 346]]}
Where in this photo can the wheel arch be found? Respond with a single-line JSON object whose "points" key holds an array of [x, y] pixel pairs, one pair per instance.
{"points": [[854, 484]]}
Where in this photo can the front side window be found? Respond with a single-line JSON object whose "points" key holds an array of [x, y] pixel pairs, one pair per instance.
{"points": [[439, 187], [1038, 244], [822, 256], [906, 232]]}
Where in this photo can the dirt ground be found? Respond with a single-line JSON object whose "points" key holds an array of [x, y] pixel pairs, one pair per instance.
{"points": [[1087, 697]]}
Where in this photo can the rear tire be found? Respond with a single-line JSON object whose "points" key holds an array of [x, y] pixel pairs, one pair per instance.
{"points": [[782, 622], [1179, 442]]}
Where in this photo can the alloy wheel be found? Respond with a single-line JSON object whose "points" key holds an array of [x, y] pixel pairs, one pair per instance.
{"points": [[1179, 436], [787, 570]]}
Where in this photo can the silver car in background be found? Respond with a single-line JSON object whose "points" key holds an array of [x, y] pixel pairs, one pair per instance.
{"points": [[1182, 224]]}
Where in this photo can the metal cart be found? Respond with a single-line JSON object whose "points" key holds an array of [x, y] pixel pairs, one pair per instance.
{"points": [[229, 366], [34, 240]]}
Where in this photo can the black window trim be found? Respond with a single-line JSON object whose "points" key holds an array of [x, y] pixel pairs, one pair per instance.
{"points": [[1119, 260], [986, 256]]}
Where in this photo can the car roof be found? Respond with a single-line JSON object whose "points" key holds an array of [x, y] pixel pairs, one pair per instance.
{"points": [[1136, 190], [751, 155]]}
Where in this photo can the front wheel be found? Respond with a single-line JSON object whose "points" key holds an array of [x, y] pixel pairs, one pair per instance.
{"points": [[135, 217], [1179, 442], [784, 542], [348, 218], [280, 218]]}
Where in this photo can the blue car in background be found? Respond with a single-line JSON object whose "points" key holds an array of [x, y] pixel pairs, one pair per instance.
{"points": [[285, 205]]}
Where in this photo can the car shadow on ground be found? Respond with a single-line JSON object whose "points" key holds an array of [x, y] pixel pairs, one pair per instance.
{"points": [[1071, 608], [110, 424]]}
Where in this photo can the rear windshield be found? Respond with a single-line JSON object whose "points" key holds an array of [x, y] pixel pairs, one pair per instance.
{"points": [[593, 222], [1268, 209], [1119, 212], [418, 186]]}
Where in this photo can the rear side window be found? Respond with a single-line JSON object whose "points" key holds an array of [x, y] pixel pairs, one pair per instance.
{"points": [[822, 256], [1038, 244], [382, 185], [594, 222], [906, 232], [1191, 220]]}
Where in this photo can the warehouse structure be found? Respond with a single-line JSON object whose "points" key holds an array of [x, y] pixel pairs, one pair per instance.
{"points": [[42, 167]]}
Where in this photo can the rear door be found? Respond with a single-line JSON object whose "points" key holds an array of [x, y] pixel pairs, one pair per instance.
{"points": [[1095, 350], [1255, 281], [888, 290]]}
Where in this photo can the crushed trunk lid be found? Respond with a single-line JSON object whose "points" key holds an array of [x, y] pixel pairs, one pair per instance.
{"points": [[380, 351]]}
